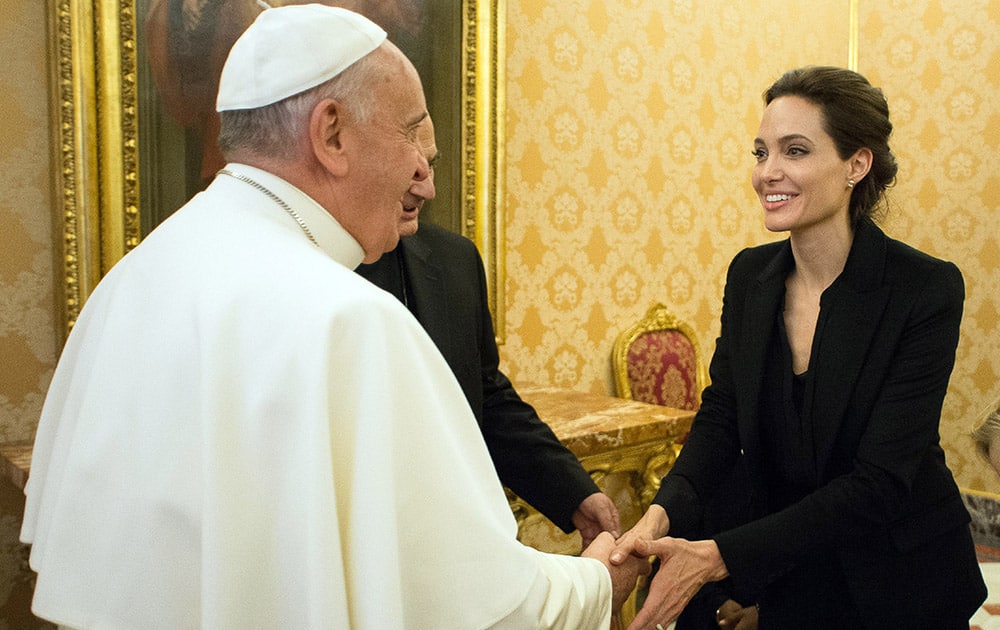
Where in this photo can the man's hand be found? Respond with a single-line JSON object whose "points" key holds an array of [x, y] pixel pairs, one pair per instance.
{"points": [[623, 575], [597, 513], [684, 567]]}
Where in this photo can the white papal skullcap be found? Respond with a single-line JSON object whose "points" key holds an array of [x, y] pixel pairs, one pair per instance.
{"points": [[290, 49]]}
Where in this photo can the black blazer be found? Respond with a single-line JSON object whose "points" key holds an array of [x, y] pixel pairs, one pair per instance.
{"points": [[886, 504], [447, 294]]}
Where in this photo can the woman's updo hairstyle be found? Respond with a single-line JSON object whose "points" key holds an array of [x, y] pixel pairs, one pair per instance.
{"points": [[856, 115]]}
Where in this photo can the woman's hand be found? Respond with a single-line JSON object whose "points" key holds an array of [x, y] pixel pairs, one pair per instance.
{"points": [[653, 524], [685, 566]]}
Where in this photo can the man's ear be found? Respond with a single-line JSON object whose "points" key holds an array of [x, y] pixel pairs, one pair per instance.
{"points": [[326, 135]]}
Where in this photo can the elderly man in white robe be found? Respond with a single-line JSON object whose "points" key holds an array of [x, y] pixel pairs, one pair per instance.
{"points": [[244, 433]]}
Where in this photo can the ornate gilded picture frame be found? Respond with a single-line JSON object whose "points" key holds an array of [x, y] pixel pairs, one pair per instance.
{"points": [[102, 104]]}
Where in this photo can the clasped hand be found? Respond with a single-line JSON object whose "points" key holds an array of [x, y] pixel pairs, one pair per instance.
{"points": [[624, 573], [685, 566]]}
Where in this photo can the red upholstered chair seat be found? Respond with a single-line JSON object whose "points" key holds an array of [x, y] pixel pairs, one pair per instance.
{"points": [[657, 360], [662, 369]]}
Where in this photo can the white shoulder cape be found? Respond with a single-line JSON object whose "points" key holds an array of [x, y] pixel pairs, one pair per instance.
{"points": [[243, 433]]}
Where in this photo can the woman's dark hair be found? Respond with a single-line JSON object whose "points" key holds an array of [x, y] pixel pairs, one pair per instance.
{"points": [[856, 115]]}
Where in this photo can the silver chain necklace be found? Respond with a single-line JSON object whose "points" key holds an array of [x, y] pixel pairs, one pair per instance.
{"points": [[273, 197]]}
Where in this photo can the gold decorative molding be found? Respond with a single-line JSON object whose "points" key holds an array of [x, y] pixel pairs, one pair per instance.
{"points": [[482, 143], [95, 92], [638, 469], [74, 129], [626, 447], [119, 138], [853, 28], [981, 493]]}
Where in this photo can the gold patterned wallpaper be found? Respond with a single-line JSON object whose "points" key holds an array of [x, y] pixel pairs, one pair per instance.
{"points": [[27, 306], [629, 127], [628, 167], [939, 63]]}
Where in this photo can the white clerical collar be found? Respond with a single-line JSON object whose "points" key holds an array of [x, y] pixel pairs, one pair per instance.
{"points": [[317, 224]]}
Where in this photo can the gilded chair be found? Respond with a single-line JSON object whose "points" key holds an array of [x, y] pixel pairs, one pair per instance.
{"points": [[657, 360]]}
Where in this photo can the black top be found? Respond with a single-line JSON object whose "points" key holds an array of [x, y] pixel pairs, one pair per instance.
{"points": [[885, 506], [785, 426]]}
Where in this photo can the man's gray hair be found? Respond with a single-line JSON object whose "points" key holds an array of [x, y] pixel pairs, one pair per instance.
{"points": [[274, 130]]}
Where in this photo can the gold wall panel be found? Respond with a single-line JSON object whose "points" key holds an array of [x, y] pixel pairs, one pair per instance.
{"points": [[939, 64], [629, 130], [629, 126], [28, 328]]}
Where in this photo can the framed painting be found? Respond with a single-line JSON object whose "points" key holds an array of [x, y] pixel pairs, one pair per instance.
{"points": [[134, 126]]}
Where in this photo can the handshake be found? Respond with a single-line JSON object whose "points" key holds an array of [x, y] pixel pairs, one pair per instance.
{"points": [[624, 574], [684, 567]]}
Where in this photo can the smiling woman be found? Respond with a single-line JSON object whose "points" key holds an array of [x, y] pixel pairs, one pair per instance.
{"points": [[828, 379], [136, 140]]}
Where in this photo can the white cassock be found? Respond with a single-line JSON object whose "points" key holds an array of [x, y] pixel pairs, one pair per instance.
{"points": [[244, 433]]}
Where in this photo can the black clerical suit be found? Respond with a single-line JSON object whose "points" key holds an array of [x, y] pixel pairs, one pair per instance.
{"points": [[875, 509], [439, 276]]}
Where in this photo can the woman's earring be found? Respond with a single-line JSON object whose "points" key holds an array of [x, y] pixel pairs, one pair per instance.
{"points": [[850, 183]]}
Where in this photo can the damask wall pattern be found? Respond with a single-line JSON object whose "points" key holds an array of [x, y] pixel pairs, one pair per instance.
{"points": [[27, 304], [939, 64], [629, 127], [629, 131]]}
